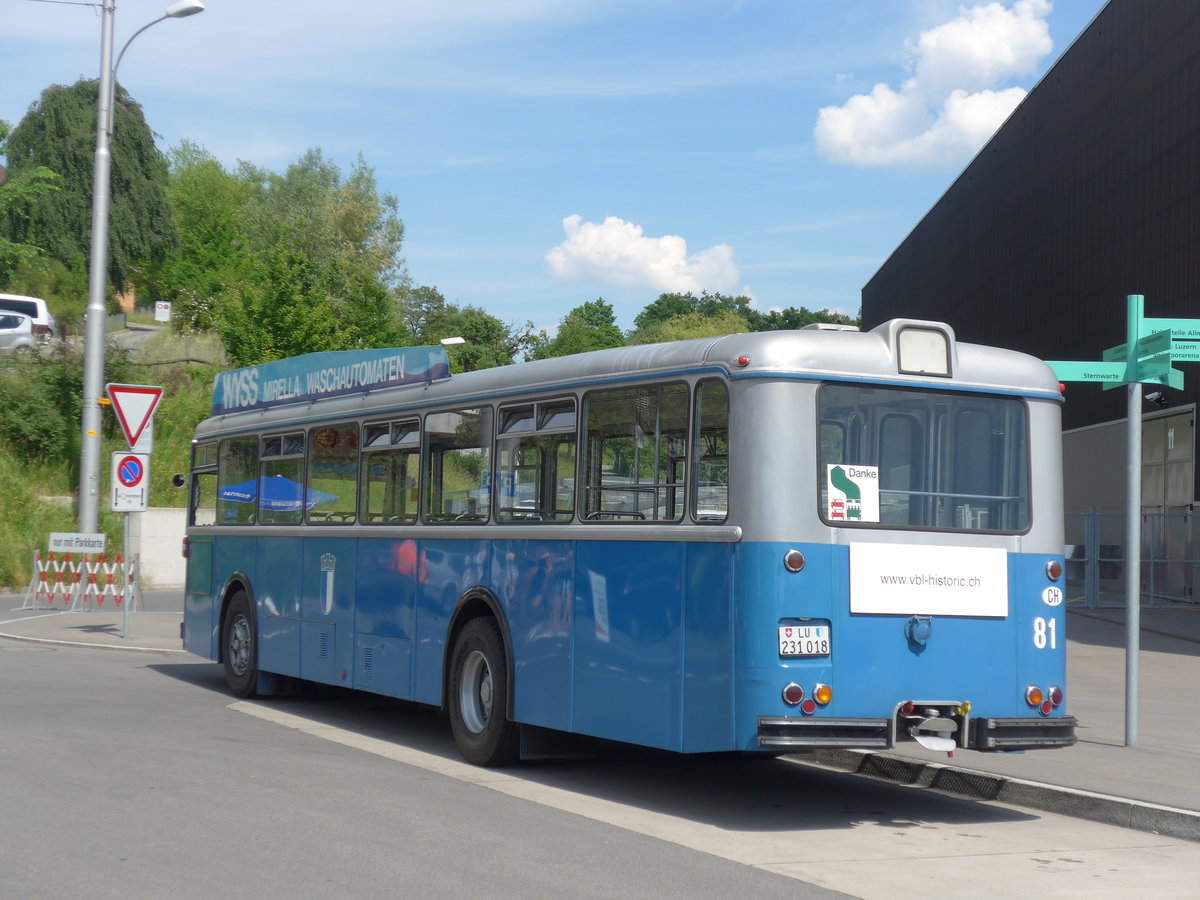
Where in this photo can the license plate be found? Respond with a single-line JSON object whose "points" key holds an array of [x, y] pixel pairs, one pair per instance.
{"points": [[804, 640]]}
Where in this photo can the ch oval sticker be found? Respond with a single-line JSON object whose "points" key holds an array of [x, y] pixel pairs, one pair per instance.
{"points": [[1052, 596]]}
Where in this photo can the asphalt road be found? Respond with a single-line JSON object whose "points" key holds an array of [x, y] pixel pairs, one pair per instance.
{"points": [[130, 775]]}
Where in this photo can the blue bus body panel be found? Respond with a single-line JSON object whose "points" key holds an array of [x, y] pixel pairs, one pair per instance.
{"points": [[390, 575], [627, 649], [327, 601], [534, 580], [665, 644], [451, 567], [277, 586], [874, 666]]}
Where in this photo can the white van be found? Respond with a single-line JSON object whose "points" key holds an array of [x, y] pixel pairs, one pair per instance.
{"points": [[44, 326]]}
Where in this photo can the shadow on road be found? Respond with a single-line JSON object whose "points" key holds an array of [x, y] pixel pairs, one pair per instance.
{"points": [[727, 791]]}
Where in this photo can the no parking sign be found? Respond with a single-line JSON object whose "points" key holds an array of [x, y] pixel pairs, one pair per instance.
{"points": [[130, 481]]}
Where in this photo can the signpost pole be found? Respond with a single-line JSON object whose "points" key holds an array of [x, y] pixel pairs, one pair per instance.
{"points": [[125, 584], [1151, 347], [1133, 526]]}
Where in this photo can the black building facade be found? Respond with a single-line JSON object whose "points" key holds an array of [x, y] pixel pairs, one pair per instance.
{"points": [[1089, 192]]}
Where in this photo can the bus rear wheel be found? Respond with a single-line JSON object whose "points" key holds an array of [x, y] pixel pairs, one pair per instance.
{"points": [[239, 647], [478, 696]]}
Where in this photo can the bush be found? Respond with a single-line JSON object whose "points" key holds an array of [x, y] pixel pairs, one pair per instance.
{"points": [[31, 417]]}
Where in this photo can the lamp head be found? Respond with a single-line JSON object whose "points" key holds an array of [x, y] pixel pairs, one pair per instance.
{"points": [[184, 8]]}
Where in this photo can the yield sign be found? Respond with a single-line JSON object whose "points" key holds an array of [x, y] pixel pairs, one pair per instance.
{"points": [[134, 405]]}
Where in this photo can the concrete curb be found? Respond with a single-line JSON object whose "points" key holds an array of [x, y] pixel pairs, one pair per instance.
{"points": [[1139, 815]]}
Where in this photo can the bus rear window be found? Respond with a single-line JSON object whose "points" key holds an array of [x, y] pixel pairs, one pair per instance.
{"points": [[900, 458]]}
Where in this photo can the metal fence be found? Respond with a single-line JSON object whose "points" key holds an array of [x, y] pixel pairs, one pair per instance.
{"points": [[1095, 552]]}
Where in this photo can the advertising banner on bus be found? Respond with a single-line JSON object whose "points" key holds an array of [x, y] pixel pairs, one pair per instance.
{"points": [[315, 376]]}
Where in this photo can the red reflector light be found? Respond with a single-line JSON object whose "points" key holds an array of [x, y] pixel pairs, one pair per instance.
{"points": [[793, 560], [793, 694], [742, 361], [1046, 708], [1054, 570], [808, 707], [907, 707]]}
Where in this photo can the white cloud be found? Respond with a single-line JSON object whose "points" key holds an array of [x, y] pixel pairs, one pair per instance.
{"points": [[618, 253], [951, 105]]}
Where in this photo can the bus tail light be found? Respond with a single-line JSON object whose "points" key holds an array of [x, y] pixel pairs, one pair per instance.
{"points": [[1055, 695], [792, 694], [1033, 695], [185, 549], [822, 693], [1054, 570]]}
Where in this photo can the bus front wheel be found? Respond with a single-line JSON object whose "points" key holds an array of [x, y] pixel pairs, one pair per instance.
{"points": [[478, 696], [239, 647]]}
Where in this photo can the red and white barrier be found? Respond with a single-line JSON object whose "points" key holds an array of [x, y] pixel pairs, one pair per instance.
{"points": [[81, 585]]}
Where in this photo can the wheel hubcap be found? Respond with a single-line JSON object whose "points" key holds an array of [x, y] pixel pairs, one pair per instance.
{"points": [[475, 692], [239, 645]]}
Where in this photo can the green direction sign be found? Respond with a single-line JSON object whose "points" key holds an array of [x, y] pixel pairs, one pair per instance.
{"points": [[1101, 372], [1185, 351], [1157, 344], [1172, 378], [1152, 345], [1181, 329]]}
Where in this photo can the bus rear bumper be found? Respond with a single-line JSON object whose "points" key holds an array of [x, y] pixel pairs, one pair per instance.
{"points": [[985, 734], [782, 732], [1025, 733]]}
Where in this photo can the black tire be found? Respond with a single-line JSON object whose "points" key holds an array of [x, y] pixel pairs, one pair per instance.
{"points": [[478, 697], [239, 647]]}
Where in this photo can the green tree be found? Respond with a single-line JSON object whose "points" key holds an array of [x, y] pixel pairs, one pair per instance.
{"points": [[285, 312], [589, 326], [208, 208], [58, 134], [672, 306], [795, 317], [690, 325], [488, 341], [343, 225], [19, 191]]}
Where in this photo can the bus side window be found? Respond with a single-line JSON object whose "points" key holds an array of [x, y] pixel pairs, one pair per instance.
{"points": [[636, 454], [237, 481], [458, 466], [390, 466], [710, 501], [535, 469], [202, 499], [332, 475], [282, 495]]}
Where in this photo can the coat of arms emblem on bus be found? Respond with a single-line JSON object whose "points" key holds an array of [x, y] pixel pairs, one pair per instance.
{"points": [[328, 561], [853, 493]]}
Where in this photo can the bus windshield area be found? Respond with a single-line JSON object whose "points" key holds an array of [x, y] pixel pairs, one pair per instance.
{"points": [[899, 458]]}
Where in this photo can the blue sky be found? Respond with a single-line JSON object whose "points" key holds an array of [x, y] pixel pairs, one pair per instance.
{"points": [[548, 152]]}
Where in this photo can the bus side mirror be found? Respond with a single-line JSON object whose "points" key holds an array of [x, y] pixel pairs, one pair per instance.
{"points": [[178, 480]]}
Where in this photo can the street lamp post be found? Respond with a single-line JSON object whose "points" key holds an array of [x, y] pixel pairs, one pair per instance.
{"points": [[93, 348]]}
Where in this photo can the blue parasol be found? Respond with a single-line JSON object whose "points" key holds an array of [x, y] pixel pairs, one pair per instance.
{"points": [[279, 493]]}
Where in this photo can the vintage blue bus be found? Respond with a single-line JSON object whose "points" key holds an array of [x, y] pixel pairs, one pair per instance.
{"points": [[761, 542]]}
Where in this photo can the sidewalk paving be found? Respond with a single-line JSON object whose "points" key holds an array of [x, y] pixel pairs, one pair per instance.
{"points": [[1154, 786]]}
